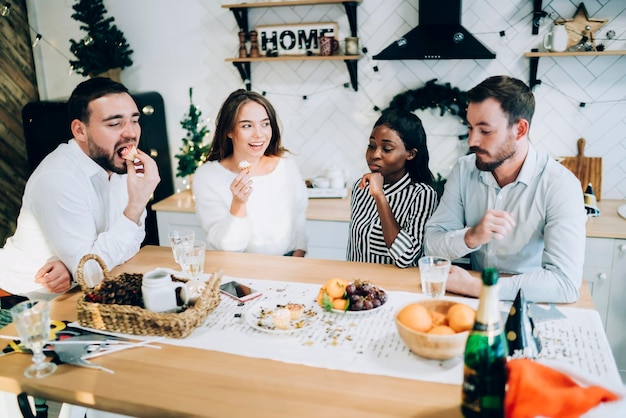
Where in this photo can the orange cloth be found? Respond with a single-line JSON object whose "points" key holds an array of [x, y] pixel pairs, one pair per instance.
{"points": [[537, 390]]}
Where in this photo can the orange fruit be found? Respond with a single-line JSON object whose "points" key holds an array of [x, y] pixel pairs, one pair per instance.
{"points": [[441, 330], [340, 304], [320, 296], [438, 318], [461, 317], [336, 287], [416, 317]]}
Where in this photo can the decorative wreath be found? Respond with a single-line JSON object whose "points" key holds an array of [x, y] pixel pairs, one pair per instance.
{"points": [[432, 95]]}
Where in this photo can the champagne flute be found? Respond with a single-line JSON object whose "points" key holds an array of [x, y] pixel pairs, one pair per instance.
{"points": [[32, 320], [192, 258], [178, 236]]}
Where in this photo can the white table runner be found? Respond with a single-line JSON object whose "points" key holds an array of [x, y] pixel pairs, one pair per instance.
{"points": [[369, 343]]}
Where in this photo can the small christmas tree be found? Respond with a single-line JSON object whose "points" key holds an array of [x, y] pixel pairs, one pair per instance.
{"points": [[104, 47], [194, 151]]}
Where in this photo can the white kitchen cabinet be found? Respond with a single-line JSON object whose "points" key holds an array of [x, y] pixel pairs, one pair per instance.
{"points": [[327, 239], [616, 313], [167, 221], [597, 272], [327, 223], [605, 272]]}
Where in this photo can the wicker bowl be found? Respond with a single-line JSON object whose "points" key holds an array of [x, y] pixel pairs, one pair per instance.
{"points": [[432, 346]]}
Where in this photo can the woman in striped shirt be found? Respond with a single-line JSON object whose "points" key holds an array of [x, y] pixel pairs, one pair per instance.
{"points": [[390, 206]]}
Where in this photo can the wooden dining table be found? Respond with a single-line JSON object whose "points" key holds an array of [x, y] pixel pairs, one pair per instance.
{"points": [[177, 381]]}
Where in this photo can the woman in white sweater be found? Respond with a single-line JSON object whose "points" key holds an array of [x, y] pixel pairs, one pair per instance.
{"points": [[258, 206]]}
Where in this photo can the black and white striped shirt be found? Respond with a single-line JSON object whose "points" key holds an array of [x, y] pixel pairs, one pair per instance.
{"points": [[411, 203]]}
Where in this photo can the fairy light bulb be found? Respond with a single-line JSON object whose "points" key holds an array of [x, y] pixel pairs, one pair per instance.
{"points": [[6, 10], [88, 40], [37, 39]]}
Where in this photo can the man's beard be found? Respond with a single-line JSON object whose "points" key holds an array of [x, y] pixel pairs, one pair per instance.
{"points": [[103, 158], [502, 155]]}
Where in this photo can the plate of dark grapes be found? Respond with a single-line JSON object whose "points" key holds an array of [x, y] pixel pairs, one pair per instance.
{"points": [[363, 297]]}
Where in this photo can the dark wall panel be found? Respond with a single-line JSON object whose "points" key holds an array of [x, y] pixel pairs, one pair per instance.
{"points": [[46, 125]]}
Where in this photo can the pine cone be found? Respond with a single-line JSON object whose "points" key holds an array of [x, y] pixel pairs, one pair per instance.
{"points": [[123, 290]]}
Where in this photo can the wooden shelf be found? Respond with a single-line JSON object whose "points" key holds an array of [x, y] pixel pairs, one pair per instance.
{"points": [[298, 58], [283, 3], [243, 65], [573, 54], [534, 56], [240, 11]]}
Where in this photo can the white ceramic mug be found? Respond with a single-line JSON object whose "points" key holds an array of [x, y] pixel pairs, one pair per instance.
{"points": [[557, 39], [159, 291]]}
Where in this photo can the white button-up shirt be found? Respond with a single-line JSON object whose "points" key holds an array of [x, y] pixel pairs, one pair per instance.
{"points": [[70, 208]]}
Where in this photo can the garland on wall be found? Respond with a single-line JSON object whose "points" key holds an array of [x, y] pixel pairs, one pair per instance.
{"points": [[444, 97]]}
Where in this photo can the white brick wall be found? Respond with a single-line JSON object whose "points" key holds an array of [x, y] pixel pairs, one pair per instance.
{"points": [[183, 44]]}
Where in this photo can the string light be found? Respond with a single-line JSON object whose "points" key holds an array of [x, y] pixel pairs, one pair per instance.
{"points": [[582, 104], [6, 10], [37, 39]]}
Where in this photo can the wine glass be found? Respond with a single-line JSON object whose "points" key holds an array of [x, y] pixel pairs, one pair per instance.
{"points": [[191, 256], [32, 320], [178, 236]]}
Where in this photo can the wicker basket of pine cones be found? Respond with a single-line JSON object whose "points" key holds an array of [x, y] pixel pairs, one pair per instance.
{"points": [[116, 305]]}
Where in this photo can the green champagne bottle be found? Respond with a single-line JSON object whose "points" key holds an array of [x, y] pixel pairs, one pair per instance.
{"points": [[484, 374]]}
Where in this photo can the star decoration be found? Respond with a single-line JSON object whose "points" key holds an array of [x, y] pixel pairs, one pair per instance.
{"points": [[581, 28]]}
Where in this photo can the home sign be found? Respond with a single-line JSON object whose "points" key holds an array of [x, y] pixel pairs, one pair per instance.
{"points": [[294, 39]]}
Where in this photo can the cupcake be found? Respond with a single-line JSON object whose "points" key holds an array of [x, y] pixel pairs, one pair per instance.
{"points": [[244, 165], [281, 317], [296, 310]]}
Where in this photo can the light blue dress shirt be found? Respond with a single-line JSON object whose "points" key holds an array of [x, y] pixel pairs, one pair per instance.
{"points": [[544, 252]]}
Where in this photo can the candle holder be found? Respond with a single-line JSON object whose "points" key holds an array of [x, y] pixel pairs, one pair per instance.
{"points": [[254, 44], [242, 45]]}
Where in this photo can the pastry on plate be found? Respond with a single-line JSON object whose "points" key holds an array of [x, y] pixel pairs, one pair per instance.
{"points": [[296, 310], [281, 318]]}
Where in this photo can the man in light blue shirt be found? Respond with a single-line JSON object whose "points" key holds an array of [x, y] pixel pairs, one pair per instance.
{"points": [[508, 206]]}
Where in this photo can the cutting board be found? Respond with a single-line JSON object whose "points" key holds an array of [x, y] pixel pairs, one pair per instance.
{"points": [[586, 169]]}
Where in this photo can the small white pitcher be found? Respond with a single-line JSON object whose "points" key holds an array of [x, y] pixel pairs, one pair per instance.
{"points": [[159, 291]]}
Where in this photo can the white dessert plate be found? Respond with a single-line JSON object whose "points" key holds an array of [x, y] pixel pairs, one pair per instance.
{"points": [[622, 211], [359, 312], [348, 312], [259, 317]]}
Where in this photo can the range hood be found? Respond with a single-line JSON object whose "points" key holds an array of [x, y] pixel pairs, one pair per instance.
{"points": [[439, 35]]}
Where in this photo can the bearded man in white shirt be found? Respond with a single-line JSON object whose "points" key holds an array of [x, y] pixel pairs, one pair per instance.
{"points": [[509, 206], [83, 198]]}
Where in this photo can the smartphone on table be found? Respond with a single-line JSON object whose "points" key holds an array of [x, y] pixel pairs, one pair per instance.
{"points": [[239, 291]]}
